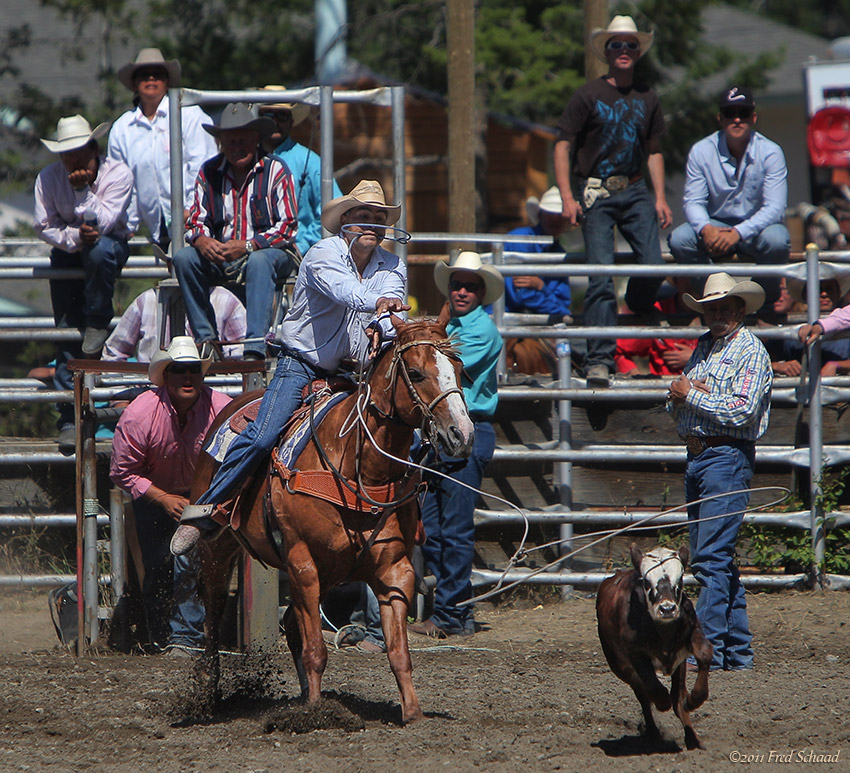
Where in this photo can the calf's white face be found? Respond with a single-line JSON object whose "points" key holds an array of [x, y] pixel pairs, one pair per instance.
{"points": [[662, 572]]}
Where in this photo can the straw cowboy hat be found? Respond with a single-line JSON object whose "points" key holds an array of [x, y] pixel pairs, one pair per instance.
{"points": [[797, 287], [619, 26], [181, 349], [74, 132], [298, 109], [550, 201], [721, 285], [494, 284], [150, 57], [238, 115], [366, 193]]}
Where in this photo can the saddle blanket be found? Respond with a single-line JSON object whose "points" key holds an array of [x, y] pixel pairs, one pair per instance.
{"points": [[298, 431]]}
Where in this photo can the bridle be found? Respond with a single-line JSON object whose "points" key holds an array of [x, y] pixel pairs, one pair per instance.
{"points": [[399, 366]]}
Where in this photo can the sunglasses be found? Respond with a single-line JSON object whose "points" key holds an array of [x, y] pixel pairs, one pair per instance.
{"points": [[181, 370], [744, 113], [617, 45], [157, 73], [455, 285]]}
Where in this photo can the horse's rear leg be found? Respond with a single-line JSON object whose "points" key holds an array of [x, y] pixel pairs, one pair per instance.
{"points": [[312, 658], [394, 591], [293, 640], [218, 558]]}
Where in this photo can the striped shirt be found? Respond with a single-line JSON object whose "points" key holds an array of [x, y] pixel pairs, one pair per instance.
{"points": [[263, 209], [737, 371]]}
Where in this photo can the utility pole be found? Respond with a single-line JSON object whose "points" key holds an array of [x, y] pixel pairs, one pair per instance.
{"points": [[595, 15], [460, 40]]}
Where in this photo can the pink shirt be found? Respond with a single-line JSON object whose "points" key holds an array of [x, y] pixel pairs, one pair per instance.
{"points": [[839, 319], [150, 448]]}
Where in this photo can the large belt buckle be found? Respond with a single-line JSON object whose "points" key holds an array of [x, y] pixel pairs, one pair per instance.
{"points": [[617, 183], [696, 445]]}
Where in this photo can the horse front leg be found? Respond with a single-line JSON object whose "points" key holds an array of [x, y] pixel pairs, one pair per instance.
{"points": [[394, 589], [308, 648], [217, 559]]}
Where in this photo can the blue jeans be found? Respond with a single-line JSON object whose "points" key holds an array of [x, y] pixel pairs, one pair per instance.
{"points": [[367, 613], [769, 247], [722, 607], [447, 515], [174, 611], [264, 270], [282, 397], [83, 302], [633, 212]]}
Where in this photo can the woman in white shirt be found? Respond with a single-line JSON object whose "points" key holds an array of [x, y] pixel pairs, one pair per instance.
{"points": [[140, 139]]}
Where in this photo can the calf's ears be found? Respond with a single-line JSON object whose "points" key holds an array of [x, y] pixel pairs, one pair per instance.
{"points": [[684, 555], [636, 555]]}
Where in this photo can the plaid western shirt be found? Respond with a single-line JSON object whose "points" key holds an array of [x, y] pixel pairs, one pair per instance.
{"points": [[737, 371]]}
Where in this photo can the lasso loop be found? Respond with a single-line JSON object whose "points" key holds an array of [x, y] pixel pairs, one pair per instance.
{"points": [[391, 233]]}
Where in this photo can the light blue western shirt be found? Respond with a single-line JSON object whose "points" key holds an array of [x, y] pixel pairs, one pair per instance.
{"points": [[480, 344]]}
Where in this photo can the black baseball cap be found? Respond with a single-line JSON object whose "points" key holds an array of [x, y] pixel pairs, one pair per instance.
{"points": [[736, 96]]}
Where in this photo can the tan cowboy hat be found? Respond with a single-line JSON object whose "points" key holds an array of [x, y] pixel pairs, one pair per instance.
{"points": [[619, 27], [366, 192], [494, 284], [150, 57], [298, 109], [239, 115], [721, 285], [74, 132], [550, 201], [181, 349], [797, 287]]}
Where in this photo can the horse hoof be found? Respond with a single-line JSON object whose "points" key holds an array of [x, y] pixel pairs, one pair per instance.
{"points": [[416, 716]]}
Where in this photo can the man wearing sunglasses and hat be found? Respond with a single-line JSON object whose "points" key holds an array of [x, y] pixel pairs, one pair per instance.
{"points": [[81, 211], [241, 227], [141, 139], [609, 127], [305, 165], [721, 406], [736, 191], [448, 507], [154, 452], [346, 288]]}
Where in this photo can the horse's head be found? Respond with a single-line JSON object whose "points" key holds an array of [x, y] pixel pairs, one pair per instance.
{"points": [[423, 383]]}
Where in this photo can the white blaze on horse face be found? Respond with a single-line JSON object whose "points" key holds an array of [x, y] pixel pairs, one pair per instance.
{"points": [[663, 574], [447, 379]]}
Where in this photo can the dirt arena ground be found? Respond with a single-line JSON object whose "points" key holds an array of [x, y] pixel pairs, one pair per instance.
{"points": [[530, 692]]}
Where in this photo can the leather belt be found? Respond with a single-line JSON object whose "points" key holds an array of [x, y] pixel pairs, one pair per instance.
{"points": [[619, 182], [696, 444]]}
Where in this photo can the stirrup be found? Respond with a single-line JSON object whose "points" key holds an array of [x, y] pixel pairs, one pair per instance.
{"points": [[195, 512]]}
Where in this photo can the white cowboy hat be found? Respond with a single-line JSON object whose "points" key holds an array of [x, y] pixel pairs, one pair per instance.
{"points": [[494, 284], [74, 132], [150, 57], [620, 26], [721, 285], [181, 349], [239, 115], [797, 287], [550, 201], [365, 193], [298, 109]]}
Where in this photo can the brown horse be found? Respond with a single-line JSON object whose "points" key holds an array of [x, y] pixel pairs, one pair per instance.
{"points": [[413, 383]]}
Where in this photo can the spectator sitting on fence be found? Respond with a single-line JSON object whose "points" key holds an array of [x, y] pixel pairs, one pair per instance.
{"points": [[241, 227], [81, 211], [140, 138], [304, 165], [835, 354], [664, 356], [736, 191], [137, 333], [532, 294], [154, 453]]}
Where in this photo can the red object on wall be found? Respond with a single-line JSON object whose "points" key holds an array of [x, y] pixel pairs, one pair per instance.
{"points": [[829, 137]]}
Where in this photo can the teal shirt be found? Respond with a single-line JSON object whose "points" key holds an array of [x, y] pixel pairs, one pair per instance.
{"points": [[480, 344]]}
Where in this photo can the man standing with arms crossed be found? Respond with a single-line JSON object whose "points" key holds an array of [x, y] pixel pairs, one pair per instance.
{"points": [[610, 125]]}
